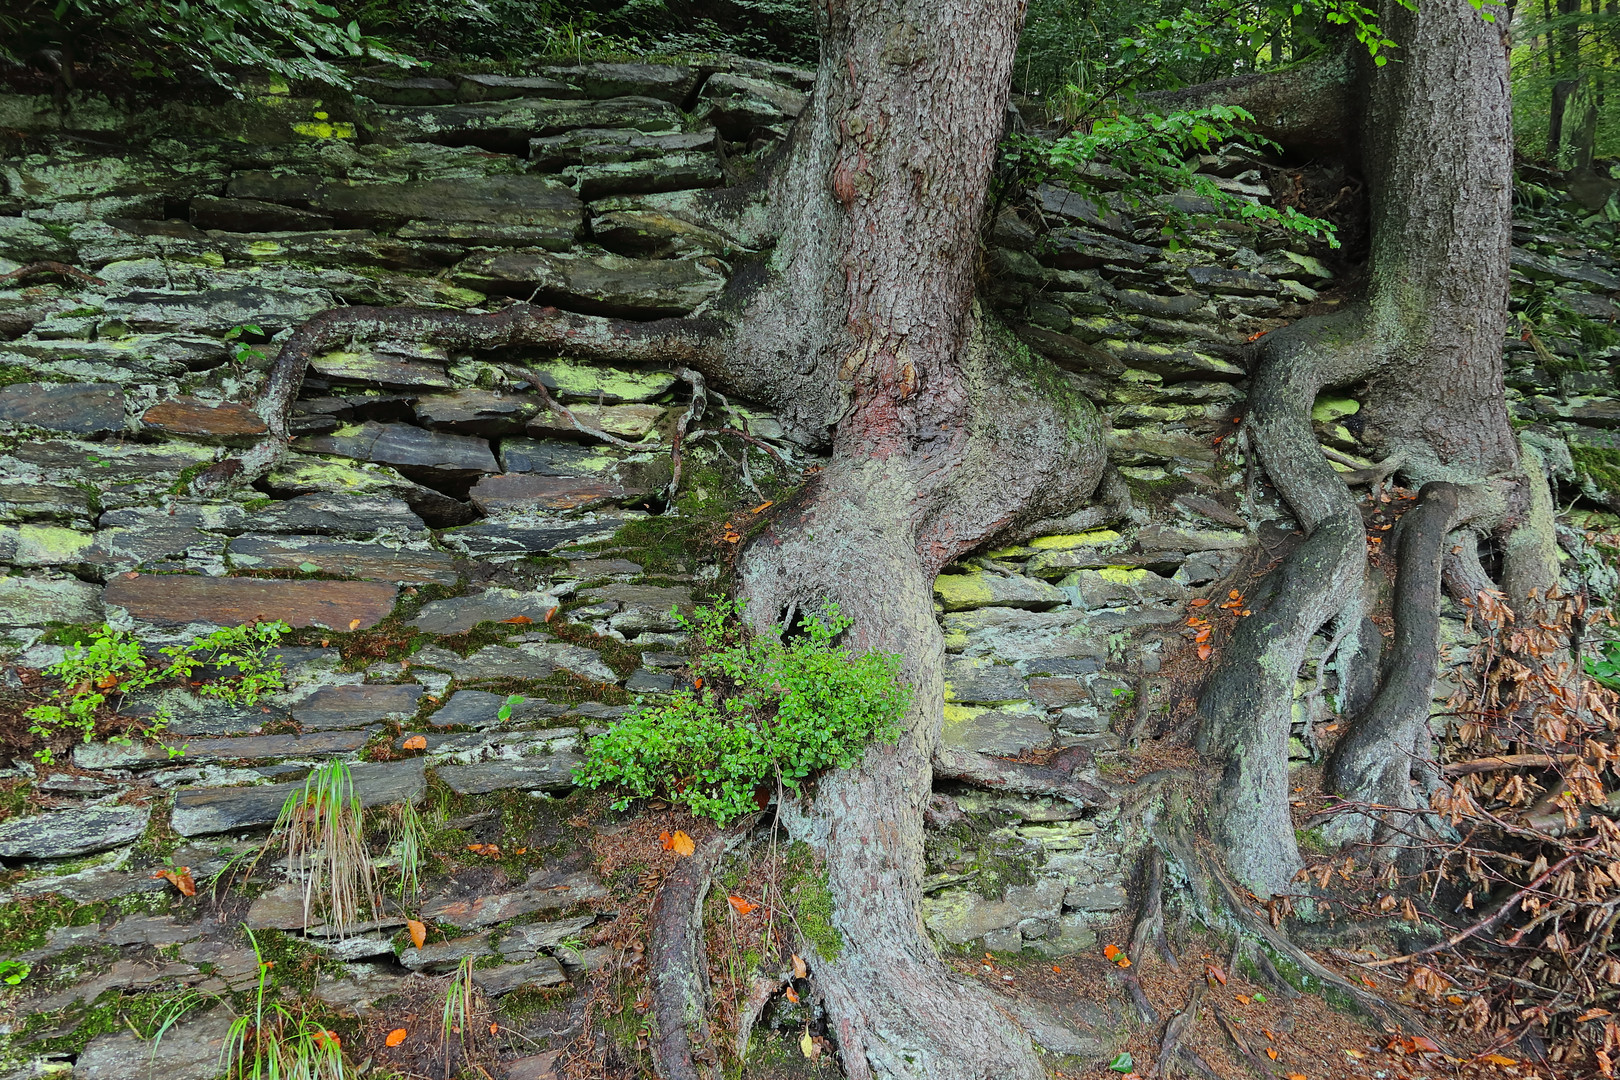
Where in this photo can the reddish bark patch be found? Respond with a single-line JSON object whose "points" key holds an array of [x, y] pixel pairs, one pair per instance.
{"points": [[196, 419]]}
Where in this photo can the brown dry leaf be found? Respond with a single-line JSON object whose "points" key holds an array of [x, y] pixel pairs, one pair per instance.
{"points": [[1205, 651], [1200, 602], [1498, 1059], [396, 1037], [519, 620], [681, 844], [180, 878], [418, 932], [493, 851], [800, 969], [791, 995], [1213, 971], [415, 742], [740, 905]]}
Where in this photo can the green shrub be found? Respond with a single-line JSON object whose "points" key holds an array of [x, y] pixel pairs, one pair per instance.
{"points": [[762, 710]]}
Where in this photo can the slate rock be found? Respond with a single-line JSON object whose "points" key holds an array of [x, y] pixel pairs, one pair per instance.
{"points": [[529, 660], [655, 234], [959, 592], [543, 891], [68, 833], [206, 811], [553, 773], [960, 916], [42, 600], [528, 938], [202, 751], [642, 681], [485, 413], [137, 536], [536, 202], [602, 383], [1232, 282], [986, 684], [627, 422], [597, 146], [252, 215], [382, 367], [230, 422], [739, 105], [506, 87], [527, 535], [426, 455], [507, 126], [440, 956], [24, 501], [80, 408], [554, 457], [1071, 248], [666, 82], [335, 707], [672, 172], [337, 514], [541, 971], [216, 311], [533, 1067], [422, 90], [1000, 733], [189, 1051], [1081, 210], [179, 599], [599, 284], [458, 614], [519, 491], [469, 708], [351, 559]]}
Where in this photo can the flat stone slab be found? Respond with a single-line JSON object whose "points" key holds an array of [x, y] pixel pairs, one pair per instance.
{"points": [[178, 599], [246, 748], [80, 408], [541, 892], [541, 971], [205, 811], [961, 915], [458, 614], [526, 535], [602, 284], [477, 708], [960, 592], [374, 562], [229, 422], [553, 773], [527, 660], [436, 453], [993, 731], [984, 684], [445, 955], [189, 1051], [574, 380], [334, 707], [557, 457], [484, 413], [38, 601], [336, 514], [523, 490], [68, 833]]}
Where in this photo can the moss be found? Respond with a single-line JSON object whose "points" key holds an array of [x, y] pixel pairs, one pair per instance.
{"points": [[1600, 463], [10, 374], [1311, 841], [26, 921], [805, 886], [111, 1012], [254, 505], [182, 482]]}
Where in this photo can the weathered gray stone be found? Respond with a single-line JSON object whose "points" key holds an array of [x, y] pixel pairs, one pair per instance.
{"points": [[81, 408], [1101, 896], [671, 172], [335, 707], [534, 202], [68, 833], [201, 751], [352, 559], [656, 234], [382, 367], [445, 955], [739, 105], [553, 773], [189, 1051], [982, 683], [528, 938], [606, 284], [960, 916], [541, 971], [507, 126], [206, 811], [49, 502], [485, 413], [553, 457], [1077, 249], [417, 91], [458, 614], [44, 599], [506, 87], [630, 423], [529, 535], [218, 310], [542, 891], [522, 491], [1232, 282], [959, 592], [252, 215], [642, 681], [667, 82], [428, 454], [528, 660], [1081, 210], [593, 146], [336, 515], [998, 732], [138, 536]]}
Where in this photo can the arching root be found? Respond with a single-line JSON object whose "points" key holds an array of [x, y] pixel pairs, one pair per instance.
{"points": [[993, 774], [1387, 744]]}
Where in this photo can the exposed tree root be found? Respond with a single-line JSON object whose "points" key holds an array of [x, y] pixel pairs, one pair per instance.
{"points": [[1149, 929], [683, 1045], [1173, 1055], [44, 269], [994, 774], [1388, 744]]}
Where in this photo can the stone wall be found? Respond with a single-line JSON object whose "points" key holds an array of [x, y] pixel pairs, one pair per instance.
{"points": [[433, 502]]}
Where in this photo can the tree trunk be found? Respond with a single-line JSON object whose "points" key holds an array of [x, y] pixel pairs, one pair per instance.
{"points": [[1427, 341]]}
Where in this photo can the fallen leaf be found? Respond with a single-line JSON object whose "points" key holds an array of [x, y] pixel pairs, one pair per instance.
{"points": [[1295, 1076], [791, 995], [1271, 1052], [415, 742], [494, 1027], [1243, 999], [519, 620], [808, 1046], [740, 905], [1212, 971], [550, 611], [396, 1037], [354, 624], [493, 851], [1123, 1063], [762, 507], [681, 844], [666, 839], [1123, 961], [418, 932], [800, 969], [1205, 651], [1056, 970], [1591, 1014], [1202, 635], [1110, 951], [1234, 595], [180, 879], [1200, 602], [1498, 1059], [106, 682]]}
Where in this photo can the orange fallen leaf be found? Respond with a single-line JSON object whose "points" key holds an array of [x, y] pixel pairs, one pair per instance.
{"points": [[1212, 971], [106, 682], [1243, 999], [354, 624], [550, 611], [1427, 1045], [1498, 1059], [762, 507], [1056, 970], [1200, 602], [681, 844], [800, 969], [1592, 1014], [1234, 595], [1295, 1076], [1202, 635], [1111, 951], [1123, 961], [1271, 1052], [740, 905], [1205, 651], [180, 879], [1245, 613], [323, 1037], [519, 620], [418, 932], [396, 1037], [491, 850], [791, 995], [415, 742], [494, 1027]]}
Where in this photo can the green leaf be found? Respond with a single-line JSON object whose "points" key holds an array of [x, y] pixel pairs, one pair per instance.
{"points": [[1123, 1062]]}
